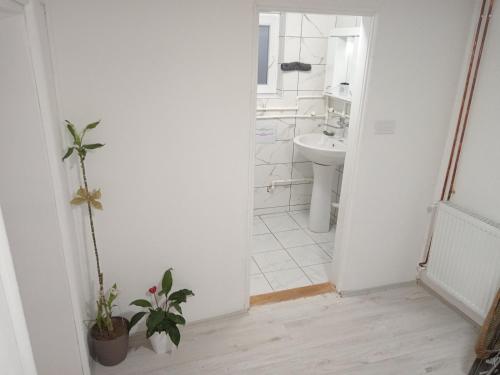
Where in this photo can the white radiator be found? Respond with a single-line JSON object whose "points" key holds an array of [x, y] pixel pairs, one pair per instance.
{"points": [[464, 262]]}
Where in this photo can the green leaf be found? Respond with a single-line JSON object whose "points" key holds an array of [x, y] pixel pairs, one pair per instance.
{"points": [[91, 126], [81, 152], [135, 319], [177, 307], [112, 297], [88, 127], [93, 146], [166, 283], [180, 295], [175, 335], [177, 319], [73, 132], [164, 326], [141, 303], [68, 153], [154, 319]]}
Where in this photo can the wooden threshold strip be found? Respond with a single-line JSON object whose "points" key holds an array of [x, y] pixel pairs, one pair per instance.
{"points": [[290, 294]]}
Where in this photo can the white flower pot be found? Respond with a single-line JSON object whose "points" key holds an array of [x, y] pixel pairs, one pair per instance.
{"points": [[161, 343]]}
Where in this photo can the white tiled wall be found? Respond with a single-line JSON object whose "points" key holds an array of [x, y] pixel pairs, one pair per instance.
{"points": [[304, 38]]}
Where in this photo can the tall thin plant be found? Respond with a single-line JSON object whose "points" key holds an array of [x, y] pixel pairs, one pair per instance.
{"points": [[92, 200]]}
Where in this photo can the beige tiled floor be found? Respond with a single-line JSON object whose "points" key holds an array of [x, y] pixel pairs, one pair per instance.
{"points": [[286, 254]]}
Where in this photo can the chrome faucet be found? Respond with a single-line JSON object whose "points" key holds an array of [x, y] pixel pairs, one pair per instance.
{"points": [[344, 121], [330, 133]]}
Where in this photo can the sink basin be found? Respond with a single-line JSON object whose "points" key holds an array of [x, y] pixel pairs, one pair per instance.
{"points": [[321, 149], [325, 152]]}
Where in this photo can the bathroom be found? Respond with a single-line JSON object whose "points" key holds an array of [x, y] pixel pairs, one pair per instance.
{"points": [[305, 77]]}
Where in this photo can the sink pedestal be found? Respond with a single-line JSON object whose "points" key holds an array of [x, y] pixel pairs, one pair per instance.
{"points": [[325, 152], [321, 200]]}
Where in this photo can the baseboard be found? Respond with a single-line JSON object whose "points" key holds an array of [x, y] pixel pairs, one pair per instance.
{"points": [[233, 314], [360, 292]]}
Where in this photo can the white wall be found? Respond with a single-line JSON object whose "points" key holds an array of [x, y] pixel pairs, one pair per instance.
{"points": [[173, 96], [412, 82], [28, 201], [169, 80], [478, 178]]}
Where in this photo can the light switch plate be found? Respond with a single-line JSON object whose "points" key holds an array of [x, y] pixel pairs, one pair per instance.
{"points": [[385, 127]]}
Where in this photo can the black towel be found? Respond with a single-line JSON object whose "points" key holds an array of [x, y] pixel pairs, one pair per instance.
{"points": [[288, 67]]}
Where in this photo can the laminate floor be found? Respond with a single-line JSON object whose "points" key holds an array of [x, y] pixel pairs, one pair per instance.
{"points": [[403, 331]]}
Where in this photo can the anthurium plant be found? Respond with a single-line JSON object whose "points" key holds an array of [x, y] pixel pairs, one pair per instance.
{"points": [[160, 309]]}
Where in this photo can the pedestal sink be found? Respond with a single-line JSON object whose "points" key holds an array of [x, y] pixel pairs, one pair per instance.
{"points": [[326, 153]]}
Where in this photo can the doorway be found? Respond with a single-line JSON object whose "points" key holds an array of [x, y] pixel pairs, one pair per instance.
{"points": [[310, 74]]}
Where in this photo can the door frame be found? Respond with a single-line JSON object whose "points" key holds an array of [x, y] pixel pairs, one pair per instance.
{"points": [[33, 13], [10, 287], [351, 170], [8, 279]]}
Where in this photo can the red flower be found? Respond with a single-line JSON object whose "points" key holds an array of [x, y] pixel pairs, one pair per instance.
{"points": [[152, 290]]}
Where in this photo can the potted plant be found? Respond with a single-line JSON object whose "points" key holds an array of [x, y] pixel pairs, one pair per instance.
{"points": [[108, 336], [161, 322]]}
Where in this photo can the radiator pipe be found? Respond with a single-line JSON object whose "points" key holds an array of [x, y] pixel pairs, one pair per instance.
{"points": [[429, 236], [462, 135], [464, 96], [461, 112]]}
